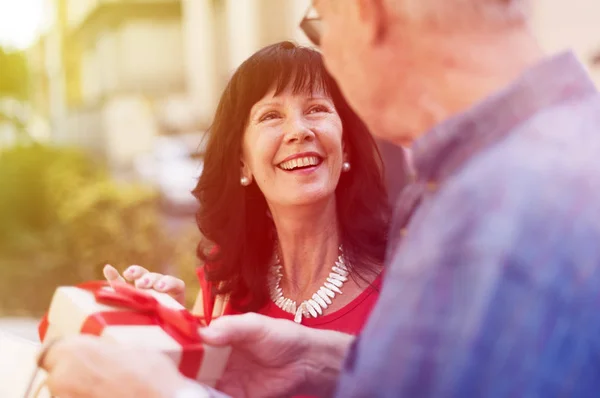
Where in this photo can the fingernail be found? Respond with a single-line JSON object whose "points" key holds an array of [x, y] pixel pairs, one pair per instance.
{"points": [[145, 281], [160, 285]]}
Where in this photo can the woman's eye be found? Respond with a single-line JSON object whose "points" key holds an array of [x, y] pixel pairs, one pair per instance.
{"points": [[318, 109], [268, 116]]}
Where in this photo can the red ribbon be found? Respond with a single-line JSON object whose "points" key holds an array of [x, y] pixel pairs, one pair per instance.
{"points": [[144, 310]]}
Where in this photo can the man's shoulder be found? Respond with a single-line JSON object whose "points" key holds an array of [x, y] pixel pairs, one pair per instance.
{"points": [[542, 170], [558, 145], [543, 174], [532, 189]]}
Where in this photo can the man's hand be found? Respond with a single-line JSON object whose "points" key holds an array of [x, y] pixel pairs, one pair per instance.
{"points": [[275, 357], [86, 366], [270, 357]]}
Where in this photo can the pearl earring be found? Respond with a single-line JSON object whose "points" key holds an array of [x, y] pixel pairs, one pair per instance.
{"points": [[245, 181], [346, 166]]}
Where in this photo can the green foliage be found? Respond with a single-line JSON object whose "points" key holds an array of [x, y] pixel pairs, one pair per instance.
{"points": [[13, 75], [62, 218]]}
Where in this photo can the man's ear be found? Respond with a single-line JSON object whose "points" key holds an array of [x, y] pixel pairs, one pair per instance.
{"points": [[373, 16]]}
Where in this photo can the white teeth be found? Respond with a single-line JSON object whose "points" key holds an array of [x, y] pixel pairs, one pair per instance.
{"points": [[300, 162]]}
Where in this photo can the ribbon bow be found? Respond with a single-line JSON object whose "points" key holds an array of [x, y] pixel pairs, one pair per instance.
{"points": [[142, 309], [174, 321]]}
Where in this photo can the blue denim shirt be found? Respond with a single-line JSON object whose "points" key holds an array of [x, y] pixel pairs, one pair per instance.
{"points": [[493, 286]]}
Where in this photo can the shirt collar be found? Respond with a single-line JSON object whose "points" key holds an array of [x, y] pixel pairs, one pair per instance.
{"points": [[556, 79]]}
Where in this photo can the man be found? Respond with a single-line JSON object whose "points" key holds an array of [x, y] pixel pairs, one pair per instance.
{"points": [[492, 281]]}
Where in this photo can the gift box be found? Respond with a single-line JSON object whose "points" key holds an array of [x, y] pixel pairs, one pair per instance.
{"points": [[18, 366], [137, 318]]}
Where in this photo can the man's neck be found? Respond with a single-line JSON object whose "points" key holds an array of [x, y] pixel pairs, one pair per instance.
{"points": [[472, 68], [456, 72]]}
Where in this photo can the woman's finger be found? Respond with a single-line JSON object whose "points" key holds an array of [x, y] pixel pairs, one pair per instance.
{"points": [[111, 274], [134, 272], [172, 286], [169, 284], [148, 280]]}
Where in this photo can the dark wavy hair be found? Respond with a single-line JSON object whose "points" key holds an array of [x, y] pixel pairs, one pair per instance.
{"points": [[238, 235]]}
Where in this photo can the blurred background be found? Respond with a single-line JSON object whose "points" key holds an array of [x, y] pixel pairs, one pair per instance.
{"points": [[104, 105]]}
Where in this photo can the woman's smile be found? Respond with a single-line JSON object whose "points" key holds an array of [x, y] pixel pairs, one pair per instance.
{"points": [[301, 163]]}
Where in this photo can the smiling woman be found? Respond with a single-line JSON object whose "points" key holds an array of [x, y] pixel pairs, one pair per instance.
{"points": [[293, 208], [292, 196], [293, 147]]}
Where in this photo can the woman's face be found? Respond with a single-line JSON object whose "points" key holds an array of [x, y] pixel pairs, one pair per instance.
{"points": [[292, 147]]}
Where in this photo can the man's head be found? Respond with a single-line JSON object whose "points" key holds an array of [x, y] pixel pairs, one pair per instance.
{"points": [[405, 65]]}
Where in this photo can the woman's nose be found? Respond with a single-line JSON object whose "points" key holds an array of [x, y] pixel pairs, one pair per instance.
{"points": [[298, 132]]}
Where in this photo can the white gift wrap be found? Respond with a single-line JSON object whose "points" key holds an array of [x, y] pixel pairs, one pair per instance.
{"points": [[71, 306], [18, 363]]}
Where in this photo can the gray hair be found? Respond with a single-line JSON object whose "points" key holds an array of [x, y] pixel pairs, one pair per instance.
{"points": [[443, 12]]}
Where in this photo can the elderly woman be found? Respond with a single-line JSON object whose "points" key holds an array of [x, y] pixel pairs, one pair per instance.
{"points": [[293, 208]]}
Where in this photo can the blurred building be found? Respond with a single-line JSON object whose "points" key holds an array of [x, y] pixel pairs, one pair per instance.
{"points": [[112, 75], [135, 82], [219, 35]]}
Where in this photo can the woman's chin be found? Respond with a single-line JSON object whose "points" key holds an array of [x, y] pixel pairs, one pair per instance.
{"points": [[311, 197]]}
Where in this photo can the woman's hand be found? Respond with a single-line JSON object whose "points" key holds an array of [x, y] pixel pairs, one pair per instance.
{"points": [[144, 279]]}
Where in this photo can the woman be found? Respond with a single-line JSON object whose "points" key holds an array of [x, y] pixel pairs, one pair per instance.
{"points": [[293, 208]]}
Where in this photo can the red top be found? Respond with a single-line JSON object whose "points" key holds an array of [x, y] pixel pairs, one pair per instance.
{"points": [[348, 319]]}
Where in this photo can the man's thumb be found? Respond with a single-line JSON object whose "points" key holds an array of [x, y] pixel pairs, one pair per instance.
{"points": [[232, 329]]}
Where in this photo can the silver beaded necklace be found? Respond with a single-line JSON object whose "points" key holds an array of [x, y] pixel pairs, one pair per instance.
{"points": [[319, 301]]}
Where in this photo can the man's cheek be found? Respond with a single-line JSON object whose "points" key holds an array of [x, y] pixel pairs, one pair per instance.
{"points": [[331, 55]]}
